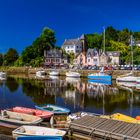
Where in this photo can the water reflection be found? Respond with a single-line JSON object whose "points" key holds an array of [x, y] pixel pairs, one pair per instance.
{"points": [[76, 94]]}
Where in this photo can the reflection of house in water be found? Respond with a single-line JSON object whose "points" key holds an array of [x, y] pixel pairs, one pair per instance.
{"points": [[53, 87], [96, 89], [74, 98]]}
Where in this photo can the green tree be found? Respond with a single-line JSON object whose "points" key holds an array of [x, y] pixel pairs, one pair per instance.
{"points": [[1, 59], [122, 48], [94, 40], [10, 57], [28, 54], [124, 36]]}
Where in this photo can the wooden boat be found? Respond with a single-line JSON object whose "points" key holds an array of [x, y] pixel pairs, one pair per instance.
{"points": [[40, 113], [26, 130], [121, 117], [14, 119], [53, 108], [38, 138]]}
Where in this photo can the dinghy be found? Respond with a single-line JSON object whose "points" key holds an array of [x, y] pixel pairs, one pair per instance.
{"points": [[38, 138], [40, 74], [3, 76], [16, 119], [26, 130], [55, 109], [40, 113], [73, 74]]}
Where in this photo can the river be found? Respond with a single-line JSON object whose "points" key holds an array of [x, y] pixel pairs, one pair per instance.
{"points": [[75, 94]]}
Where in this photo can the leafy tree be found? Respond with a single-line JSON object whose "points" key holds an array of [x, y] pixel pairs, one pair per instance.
{"points": [[94, 40], [124, 36], [122, 48], [111, 33], [1, 59], [10, 57], [19, 62], [28, 54]]}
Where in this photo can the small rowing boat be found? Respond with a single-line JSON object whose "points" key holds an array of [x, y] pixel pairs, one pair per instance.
{"points": [[54, 108], [38, 138], [14, 119], [26, 130], [40, 113]]}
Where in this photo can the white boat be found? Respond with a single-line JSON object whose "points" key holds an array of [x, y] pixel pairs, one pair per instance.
{"points": [[40, 74], [37, 131], [3, 76], [54, 73], [130, 76], [73, 74]]}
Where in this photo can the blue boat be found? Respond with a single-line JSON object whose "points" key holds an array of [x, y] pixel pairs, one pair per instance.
{"points": [[100, 76], [38, 138], [57, 110], [104, 82]]}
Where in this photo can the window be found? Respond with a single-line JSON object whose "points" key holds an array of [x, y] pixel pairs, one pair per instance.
{"points": [[94, 60], [68, 47], [77, 47], [71, 46], [88, 60]]}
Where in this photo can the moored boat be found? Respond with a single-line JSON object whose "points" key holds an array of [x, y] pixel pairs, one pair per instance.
{"points": [[54, 108], [14, 119], [40, 113], [121, 117], [100, 76], [26, 130], [39, 138], [54, 73], [73, 74], [3, 76], [40, 74]]}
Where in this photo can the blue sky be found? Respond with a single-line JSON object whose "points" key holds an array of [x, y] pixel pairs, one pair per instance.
{"points": [[21, 21]]}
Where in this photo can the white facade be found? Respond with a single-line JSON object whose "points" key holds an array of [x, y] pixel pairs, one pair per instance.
{"points": [[73, 49]]}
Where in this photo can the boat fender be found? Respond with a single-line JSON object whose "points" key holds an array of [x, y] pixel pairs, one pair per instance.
{"points": [[137, 117]]}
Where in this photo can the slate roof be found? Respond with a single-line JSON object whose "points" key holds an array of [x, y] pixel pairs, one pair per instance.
{"points": [[71, 42], [113, 53], [91, 52], [53, 53]]}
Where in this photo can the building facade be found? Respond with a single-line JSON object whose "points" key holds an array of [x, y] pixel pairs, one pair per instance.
{"points": [[75, 46], [54, 58]]}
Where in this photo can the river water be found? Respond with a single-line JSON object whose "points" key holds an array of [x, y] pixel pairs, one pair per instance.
{"points": [[75, 94]]}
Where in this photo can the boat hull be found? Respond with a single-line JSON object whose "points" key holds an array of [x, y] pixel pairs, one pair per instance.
{"points": [[42, 114], [13, 120], [54, 73], [100, 77], [55, 109], [39, 138], [37, 131]]}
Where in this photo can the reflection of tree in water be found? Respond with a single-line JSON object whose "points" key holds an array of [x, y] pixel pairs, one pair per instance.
{"points": [[35, 90], [112, 101], [12, 84]]}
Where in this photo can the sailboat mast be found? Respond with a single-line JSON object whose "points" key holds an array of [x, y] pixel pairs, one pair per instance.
{"points": [[104, 39], [131, 43]]}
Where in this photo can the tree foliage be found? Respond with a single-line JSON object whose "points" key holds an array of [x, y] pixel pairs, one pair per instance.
{"points": [[10, 57]]}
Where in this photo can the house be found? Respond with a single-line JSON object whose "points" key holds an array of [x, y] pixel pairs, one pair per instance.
{"points": [[54, 58], [80, 59], [92, 57], [137, 43], [75, 46], [114, 57], [103, 59]]}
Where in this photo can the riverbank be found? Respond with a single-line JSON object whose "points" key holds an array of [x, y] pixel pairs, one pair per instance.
{"points": [[84, 73]]}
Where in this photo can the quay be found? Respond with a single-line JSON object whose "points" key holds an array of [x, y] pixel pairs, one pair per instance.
{"points": [[92, 127]]}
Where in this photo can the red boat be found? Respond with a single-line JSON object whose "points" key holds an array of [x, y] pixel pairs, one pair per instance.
{"points": [[40, 113]]}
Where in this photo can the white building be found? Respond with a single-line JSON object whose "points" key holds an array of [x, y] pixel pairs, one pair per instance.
{"points": [[73, 45], [137, 43]]}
